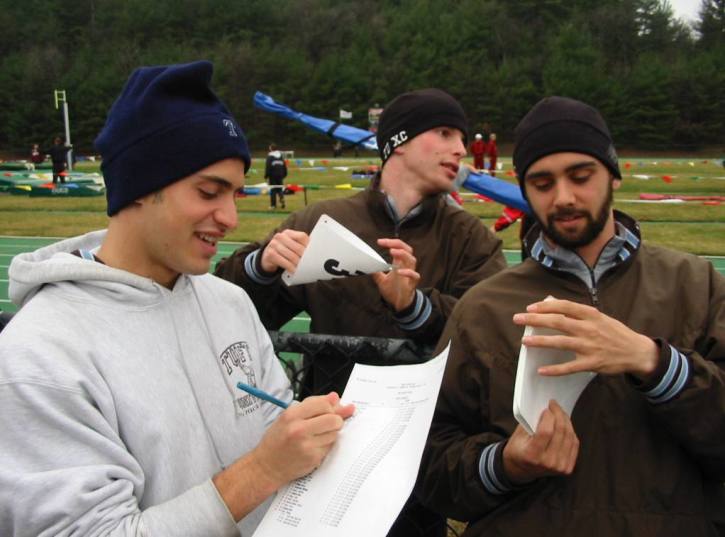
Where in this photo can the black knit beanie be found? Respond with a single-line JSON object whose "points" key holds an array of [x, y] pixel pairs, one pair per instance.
{"points": [[560, 124], [413, 113], [166, 124]]}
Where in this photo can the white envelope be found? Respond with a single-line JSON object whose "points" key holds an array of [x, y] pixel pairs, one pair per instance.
{"points": [[334, 252], [533, 392]]}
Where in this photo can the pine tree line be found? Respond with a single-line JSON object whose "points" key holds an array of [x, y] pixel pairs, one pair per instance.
{"points": [[657, 80]]}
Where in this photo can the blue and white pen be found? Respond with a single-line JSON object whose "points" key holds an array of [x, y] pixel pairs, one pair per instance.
{"points": [[256, 392]]}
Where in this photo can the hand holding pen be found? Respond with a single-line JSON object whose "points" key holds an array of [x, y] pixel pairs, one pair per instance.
{"points": [[294, 444], [302, 435]]}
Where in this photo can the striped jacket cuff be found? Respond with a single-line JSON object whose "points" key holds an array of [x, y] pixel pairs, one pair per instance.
{"points": [[415, 315], [254, 270], [677, 373], [490, 468]]}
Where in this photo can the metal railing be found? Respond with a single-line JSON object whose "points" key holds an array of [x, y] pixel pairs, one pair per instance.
{"points": [[333, 356]]}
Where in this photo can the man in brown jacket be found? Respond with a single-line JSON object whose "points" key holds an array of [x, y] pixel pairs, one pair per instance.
{"points": [[643, 452], [439, 250]]}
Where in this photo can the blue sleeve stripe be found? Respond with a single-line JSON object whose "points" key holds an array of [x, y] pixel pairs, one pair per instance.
{"points": [[667, 379], [422, 318], [492, 471], [675, 388], [416, 309], [250, 267], [485, 469]]}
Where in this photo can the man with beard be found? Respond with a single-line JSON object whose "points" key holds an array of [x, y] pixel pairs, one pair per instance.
{"points": [[643, 451]]}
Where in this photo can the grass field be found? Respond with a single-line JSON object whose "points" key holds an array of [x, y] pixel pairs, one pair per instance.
{"points": [[692, 226]]}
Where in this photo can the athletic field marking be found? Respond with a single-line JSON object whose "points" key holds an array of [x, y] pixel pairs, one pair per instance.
{"points": [[32, 238]]}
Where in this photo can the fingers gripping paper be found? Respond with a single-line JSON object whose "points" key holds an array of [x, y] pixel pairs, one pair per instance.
{"points": [[364, 481], [334, 252], [533, 392]]}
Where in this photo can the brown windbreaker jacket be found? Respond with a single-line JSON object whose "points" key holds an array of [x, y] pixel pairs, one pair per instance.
{"points": [[647, 465]]}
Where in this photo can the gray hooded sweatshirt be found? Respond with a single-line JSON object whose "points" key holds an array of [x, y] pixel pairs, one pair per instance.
{"points": [[118, 399]]}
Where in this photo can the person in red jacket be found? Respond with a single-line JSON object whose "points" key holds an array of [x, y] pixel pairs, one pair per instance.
{"points": [[36, 157], [492, 152], [478, 149]]}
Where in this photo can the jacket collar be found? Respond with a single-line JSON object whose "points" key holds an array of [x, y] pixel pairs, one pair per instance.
{"points": [[626, 242], [382, 206]]}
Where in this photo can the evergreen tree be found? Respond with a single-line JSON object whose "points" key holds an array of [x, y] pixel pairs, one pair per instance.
{"points": [[658, 82], [712, 23]]}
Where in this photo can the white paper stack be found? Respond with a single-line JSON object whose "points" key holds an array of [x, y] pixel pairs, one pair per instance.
{"points": [[533, 392]]}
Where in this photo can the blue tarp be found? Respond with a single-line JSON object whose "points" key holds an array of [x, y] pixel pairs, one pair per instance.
{"points": [[339, 131], [501, 191], [481, 183]]}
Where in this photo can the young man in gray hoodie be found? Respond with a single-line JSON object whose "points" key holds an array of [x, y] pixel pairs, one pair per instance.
{"points": [[120, 411]]}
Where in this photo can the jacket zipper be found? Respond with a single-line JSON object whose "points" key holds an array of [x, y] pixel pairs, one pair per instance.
{"points": [[593, 291]]}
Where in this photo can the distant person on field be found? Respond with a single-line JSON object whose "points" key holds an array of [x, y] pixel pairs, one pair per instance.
{"points": [[492, 152], [478, 150], [120, 413], [58, 152], [275, 170], [643, 452], [36, 157], [337, 149]]}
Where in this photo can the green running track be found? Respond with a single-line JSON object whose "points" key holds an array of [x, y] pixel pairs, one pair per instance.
{"points": [[11, 246]]}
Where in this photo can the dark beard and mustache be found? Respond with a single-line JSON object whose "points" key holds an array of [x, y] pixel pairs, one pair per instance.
{"points": [[591, 231]]}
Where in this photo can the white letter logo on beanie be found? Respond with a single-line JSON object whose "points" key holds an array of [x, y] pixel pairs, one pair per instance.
{"points": [[399, 139], [229, 124]]}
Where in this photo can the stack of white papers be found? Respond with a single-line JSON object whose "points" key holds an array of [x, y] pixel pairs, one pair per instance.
{"points": [[533, 392]]}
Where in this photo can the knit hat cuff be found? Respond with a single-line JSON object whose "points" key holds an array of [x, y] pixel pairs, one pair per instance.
{"points": [[423, 123]]}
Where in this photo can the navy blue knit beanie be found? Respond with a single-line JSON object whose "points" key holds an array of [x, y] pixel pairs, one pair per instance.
{"points": [[166, 124]]}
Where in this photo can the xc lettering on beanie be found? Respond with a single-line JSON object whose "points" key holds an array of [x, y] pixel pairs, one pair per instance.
{"points": [[413, 113], [166, 124], [558, 125]]}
